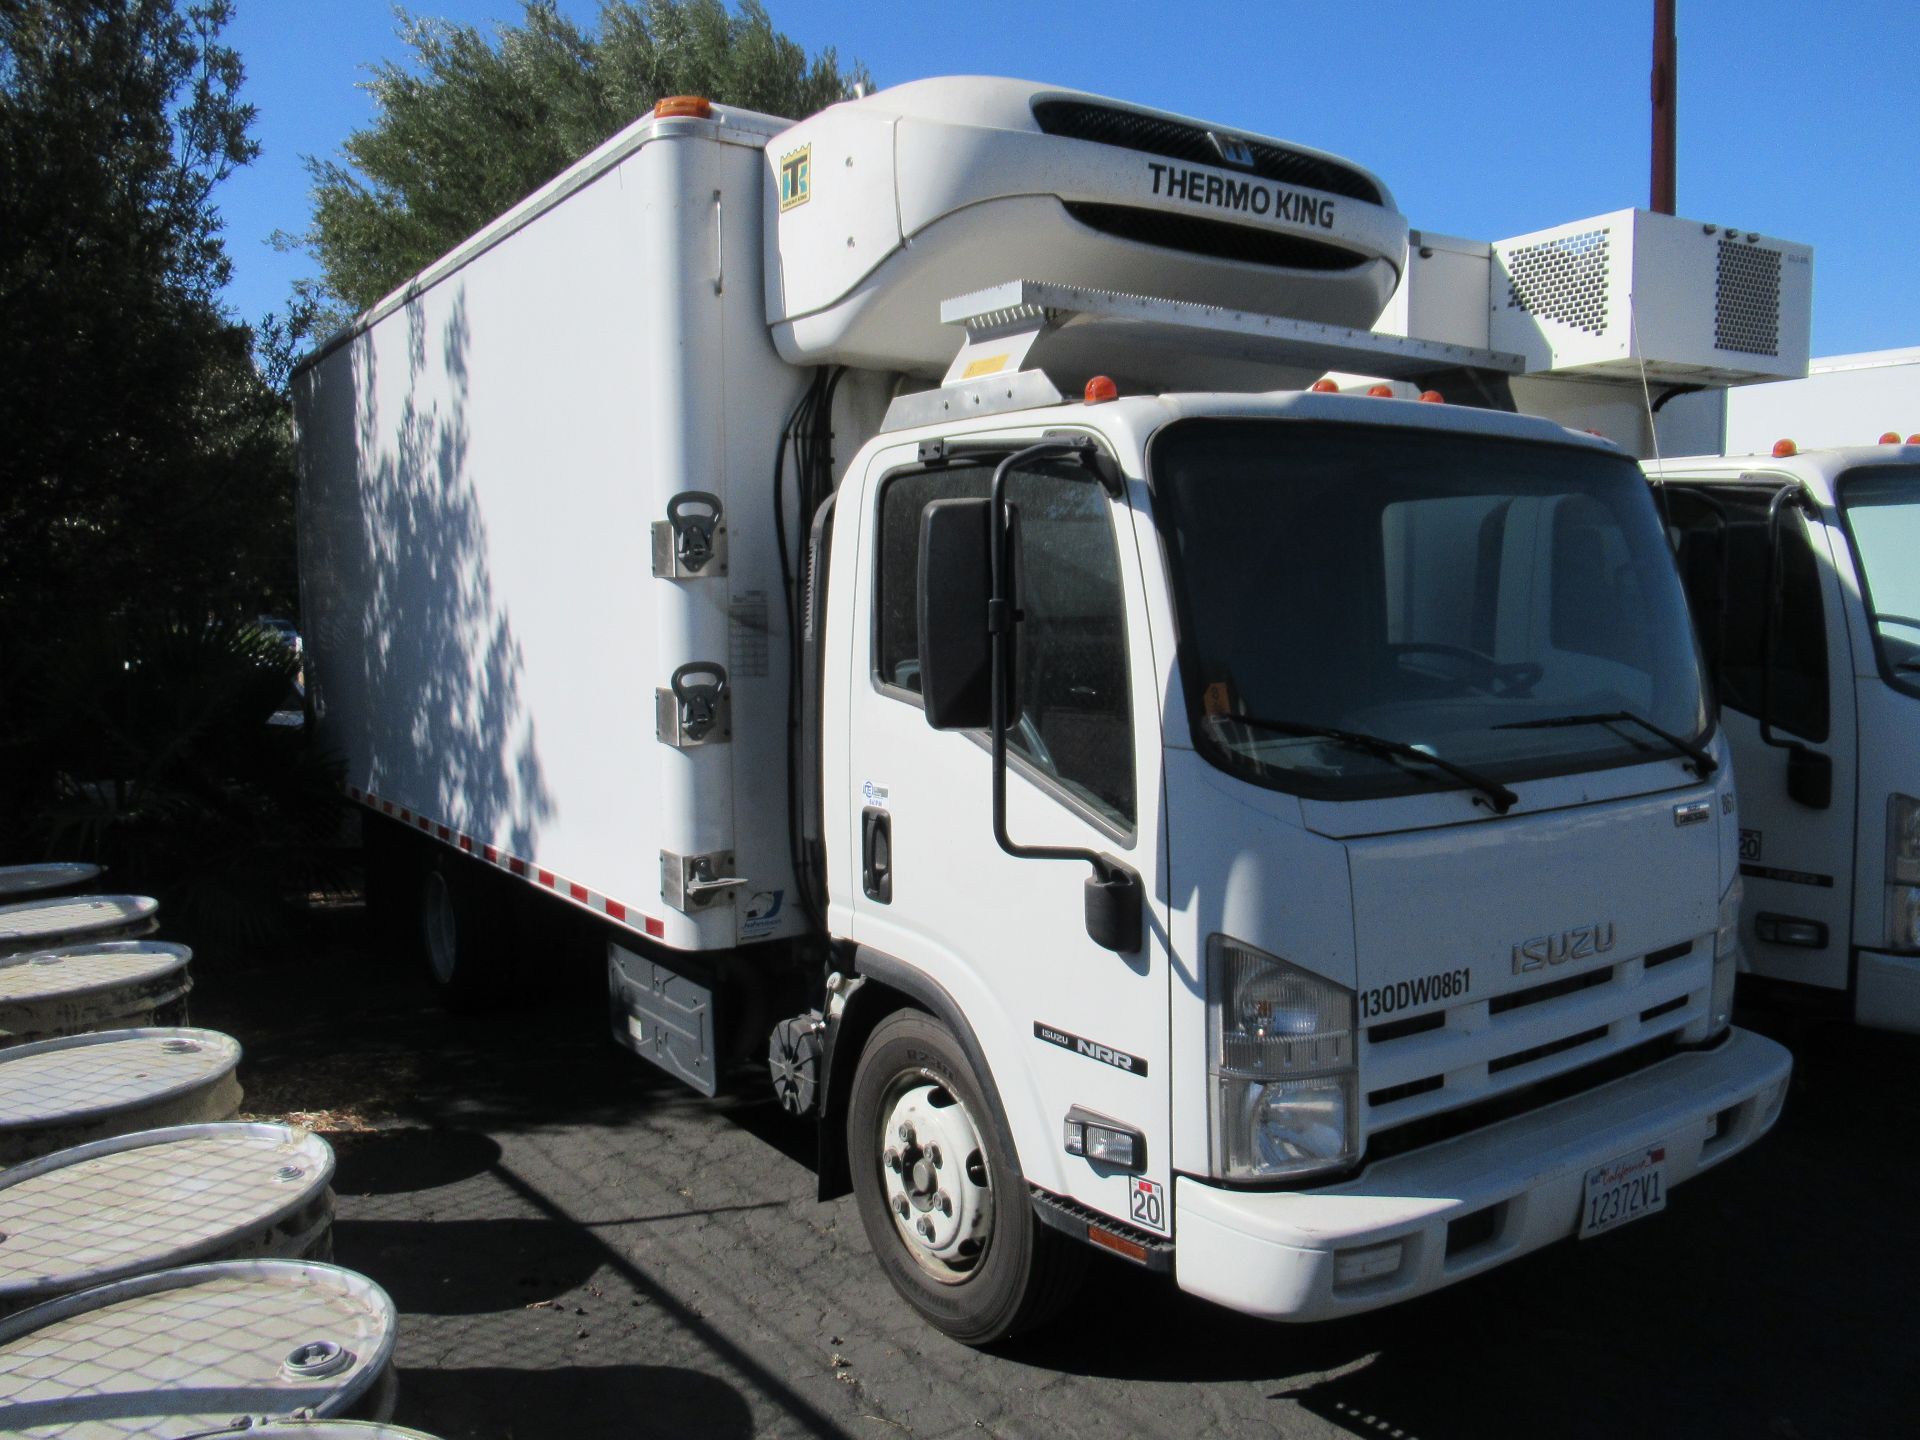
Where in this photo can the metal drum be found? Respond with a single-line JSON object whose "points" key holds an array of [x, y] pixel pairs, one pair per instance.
{"points": [[43, 924], [57, 1093], [186, 1351], [110, 985], [140, 1203], [43, 879], [312, 1430]]}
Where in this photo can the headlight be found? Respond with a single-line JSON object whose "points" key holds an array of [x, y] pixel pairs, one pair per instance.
{"points": [[1903, 873], [1281, 1060]]}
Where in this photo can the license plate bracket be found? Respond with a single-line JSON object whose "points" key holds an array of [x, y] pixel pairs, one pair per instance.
{"points": [[1628, 1187]]}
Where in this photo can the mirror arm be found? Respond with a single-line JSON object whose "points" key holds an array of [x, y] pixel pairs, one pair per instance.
{"points": [[1108, 873]]}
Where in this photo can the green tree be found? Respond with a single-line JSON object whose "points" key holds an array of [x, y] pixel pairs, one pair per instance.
{"points": [[145, 465], [145, 472], [475, 123]]}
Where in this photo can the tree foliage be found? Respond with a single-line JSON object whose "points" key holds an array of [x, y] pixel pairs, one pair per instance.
{"points": [[474, 123], [145, 464], [146, 469]]}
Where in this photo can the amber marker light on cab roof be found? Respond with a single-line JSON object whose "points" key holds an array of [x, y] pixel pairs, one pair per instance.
{"points": [[1101, 389], [1784, 448], [1432, 397], [1382, 392], [1913, 439], [1323, 387], [1890, 437], [683, 107]]}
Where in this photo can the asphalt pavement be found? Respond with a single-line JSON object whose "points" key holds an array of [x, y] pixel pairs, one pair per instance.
{"points": [[581, 1248]]}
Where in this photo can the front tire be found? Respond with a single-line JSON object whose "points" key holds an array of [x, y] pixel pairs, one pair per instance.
{"points": [[940, 1192]]}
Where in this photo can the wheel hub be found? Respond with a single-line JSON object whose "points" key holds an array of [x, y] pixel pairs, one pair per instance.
{"points": [[934, 1170]]}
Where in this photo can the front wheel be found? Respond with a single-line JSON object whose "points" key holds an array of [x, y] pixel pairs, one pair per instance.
{"points": [[941, 1195]]}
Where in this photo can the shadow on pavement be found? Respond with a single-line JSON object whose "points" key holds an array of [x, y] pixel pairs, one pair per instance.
{"points": [[583, 1402], [396, 1162], [469, 1267]]}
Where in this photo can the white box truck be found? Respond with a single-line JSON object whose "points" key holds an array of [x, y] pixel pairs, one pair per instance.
{"points": [[1279, 837], [1799, 566]]}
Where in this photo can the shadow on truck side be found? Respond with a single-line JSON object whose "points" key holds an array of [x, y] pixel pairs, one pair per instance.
{"points": [[432, 670]]}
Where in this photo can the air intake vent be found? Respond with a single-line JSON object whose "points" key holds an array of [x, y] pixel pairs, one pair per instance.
{"points": [[1178, 140], [1214, 238], [1746, 304], [1562, 279]]}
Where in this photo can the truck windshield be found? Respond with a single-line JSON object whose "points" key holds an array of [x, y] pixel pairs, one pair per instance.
{"points": [[1882, 508], [1444, 592]]}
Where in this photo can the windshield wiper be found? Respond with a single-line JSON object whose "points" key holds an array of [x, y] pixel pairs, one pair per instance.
{"points": [[1498, 797], [1701, 763]]}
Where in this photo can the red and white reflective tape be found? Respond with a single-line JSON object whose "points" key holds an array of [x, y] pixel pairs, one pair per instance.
{"points": [[615, 910]]}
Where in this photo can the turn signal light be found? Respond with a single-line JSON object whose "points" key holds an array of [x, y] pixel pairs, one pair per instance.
{"points": [[683, 107], [1784, 448], [1323, 387], [1101, 389], [1383, 392]]}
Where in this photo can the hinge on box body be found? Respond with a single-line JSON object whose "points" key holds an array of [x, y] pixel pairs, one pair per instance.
{"points": [[692, 540], [694, 708], [697, 882]]}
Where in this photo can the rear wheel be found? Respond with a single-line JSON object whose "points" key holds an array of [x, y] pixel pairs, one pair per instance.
{"points": [[941, 1195], [465, 933]]}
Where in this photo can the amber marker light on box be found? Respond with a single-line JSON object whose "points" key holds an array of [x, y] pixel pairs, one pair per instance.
{"points": [[683, 107]]}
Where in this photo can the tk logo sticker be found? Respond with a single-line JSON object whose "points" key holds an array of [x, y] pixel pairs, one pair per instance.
{"points": [[796, 178]]}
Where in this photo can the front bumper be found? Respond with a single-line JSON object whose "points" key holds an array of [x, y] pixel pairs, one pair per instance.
{"points": [[1277, 1254], [1887, 991]]}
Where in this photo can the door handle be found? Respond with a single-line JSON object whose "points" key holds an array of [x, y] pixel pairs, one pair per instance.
{"points": [[876, 854]]}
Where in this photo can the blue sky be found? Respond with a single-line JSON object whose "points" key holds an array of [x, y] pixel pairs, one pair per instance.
{"points": [[1486, 119]]}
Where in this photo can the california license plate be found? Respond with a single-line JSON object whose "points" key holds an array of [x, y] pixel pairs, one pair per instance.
{"points": [[1624, 1189]]}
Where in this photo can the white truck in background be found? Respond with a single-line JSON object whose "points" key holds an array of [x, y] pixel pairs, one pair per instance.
{"points": [[1800, 566], [1281, 838]]}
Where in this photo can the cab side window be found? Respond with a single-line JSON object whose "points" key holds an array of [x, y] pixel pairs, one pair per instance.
{"points": [[1721, 544], [1074, 725]]}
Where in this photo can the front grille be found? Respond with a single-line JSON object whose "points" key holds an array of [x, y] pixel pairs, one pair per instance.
{"points": [[1469, 1053], [1214, 238], [1181, 140], [1419, 1134]]}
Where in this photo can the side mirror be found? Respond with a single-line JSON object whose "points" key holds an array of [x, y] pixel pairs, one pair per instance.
{"points": [[1113, 904], [1810, 776], [956, 584]]}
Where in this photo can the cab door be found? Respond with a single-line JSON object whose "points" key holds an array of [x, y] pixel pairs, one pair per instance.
{"points": [[1796, 860], [1063, 1024]]}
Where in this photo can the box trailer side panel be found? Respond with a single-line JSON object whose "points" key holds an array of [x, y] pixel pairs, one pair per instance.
{"points": [[484, 468]]}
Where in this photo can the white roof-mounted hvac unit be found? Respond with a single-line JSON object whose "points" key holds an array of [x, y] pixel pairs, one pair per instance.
{"points": [[1683, 301]]}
